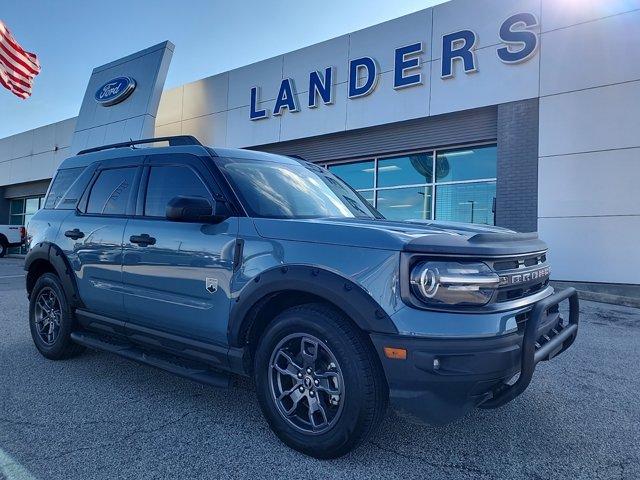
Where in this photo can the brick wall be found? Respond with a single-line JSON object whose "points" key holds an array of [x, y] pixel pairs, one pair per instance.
{"points": [[517, 184], [4, 208]]}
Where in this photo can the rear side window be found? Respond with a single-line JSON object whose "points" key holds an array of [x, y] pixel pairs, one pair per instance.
{"points": [[111, 191], [167, 182], [75, 191], [64, 179]]}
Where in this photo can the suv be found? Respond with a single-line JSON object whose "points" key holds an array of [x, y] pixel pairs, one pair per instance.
{"points": [[208, 262]]}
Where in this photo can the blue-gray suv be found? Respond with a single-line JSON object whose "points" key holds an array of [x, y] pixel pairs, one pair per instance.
{"points": [[209, 262]]}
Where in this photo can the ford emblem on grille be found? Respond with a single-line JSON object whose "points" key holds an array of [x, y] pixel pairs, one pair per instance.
{"points": [[115, 91], [519, 278]]}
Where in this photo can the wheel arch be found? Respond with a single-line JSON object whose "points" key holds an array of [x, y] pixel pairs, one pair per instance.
{"points": [[281, 287], [4, 240], [47, 257]]}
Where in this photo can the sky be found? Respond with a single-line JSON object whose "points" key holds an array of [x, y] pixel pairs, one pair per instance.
{"points": [[71, 37]]}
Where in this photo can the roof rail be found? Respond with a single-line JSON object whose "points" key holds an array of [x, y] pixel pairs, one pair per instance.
{"points": [[173, 142]]}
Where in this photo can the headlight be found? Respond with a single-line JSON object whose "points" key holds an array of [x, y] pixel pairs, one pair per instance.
{"points": [[453, 283]]}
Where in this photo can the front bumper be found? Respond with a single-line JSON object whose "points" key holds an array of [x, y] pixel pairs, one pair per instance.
{"points": [[442, 379]]}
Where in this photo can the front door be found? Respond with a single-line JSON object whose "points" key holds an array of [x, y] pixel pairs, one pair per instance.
{"points": [[177, 275]]}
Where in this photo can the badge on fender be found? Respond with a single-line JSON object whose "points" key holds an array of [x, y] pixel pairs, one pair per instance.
{"points": [[211, 284]]}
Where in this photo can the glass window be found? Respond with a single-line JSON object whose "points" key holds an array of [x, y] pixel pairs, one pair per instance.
{"points": [[407, 170], [32, 205], [17, 206], [470, 172], [110, 193], [369, 196], [466, 202], [292, 189], [16, 220], [64, 179], [410, 203], [359, 175], [168, 182], [471, 163], [22, 209]]}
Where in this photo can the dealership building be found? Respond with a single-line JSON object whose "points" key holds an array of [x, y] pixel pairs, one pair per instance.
{"points": [[522, 114]]}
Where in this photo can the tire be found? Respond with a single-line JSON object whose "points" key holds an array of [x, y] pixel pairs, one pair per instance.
{"points": [[3, 249], [52, 338], [345, 364]]}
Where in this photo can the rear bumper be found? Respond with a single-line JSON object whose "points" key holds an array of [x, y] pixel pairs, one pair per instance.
{"points": [[442, 379]]}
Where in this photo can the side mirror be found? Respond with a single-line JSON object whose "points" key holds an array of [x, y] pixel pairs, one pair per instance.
{"points": [[196, 210]]}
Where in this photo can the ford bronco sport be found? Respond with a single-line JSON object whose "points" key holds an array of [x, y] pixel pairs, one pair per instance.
{"points": [[208, 262]]}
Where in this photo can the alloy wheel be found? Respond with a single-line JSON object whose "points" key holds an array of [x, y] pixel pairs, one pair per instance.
{"points": [[48, 314], [306, 383]]}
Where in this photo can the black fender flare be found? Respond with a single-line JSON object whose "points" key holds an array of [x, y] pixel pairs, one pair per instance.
{"points": [[331, 286], [54, 255]]}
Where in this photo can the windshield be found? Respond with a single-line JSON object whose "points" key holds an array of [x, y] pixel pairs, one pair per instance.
{"points": [[272, 189]]}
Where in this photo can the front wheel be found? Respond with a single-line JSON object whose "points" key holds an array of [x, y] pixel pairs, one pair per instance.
{"points": [[319, 384]]}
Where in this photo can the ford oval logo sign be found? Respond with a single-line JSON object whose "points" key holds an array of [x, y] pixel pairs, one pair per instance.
{"points": [[115, 91]]}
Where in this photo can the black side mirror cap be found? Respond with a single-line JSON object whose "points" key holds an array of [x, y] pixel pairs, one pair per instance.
{"points": [[196, 210]]}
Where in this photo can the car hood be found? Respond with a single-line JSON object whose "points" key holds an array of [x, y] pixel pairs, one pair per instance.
{"points": [[419, 236]]}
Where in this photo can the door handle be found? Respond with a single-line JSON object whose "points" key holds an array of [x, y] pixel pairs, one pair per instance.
{"points": [[74, 234], [142, 240]]}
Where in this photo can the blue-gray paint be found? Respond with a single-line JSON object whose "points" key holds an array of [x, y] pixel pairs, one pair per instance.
{"points": [[162, 286]]}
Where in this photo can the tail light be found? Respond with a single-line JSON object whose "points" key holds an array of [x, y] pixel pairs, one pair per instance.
{"points": [[23, 233]]}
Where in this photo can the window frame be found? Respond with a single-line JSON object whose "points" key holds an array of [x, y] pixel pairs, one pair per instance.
{"points": [[433, 184], [23, 212], [195, 163]]}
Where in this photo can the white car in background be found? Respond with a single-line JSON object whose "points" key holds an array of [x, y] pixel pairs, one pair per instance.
{"points": [[11, 236]]}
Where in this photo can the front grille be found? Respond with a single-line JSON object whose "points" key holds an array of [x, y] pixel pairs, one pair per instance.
{"points": [[521, 320], [518, 262], [558, 322], [507, 295], [519, 267]]}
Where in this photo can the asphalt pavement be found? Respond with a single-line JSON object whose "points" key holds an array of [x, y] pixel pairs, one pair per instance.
{"points": [[98, 416]]}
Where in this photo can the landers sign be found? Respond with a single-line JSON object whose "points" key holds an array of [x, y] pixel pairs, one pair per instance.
{"points": [[519, 34]]}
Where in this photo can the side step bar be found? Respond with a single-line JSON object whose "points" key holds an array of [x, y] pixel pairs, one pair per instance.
{"points": [[170, 363]]}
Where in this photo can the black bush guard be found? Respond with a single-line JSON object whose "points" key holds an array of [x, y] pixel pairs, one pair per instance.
{"points": [[530, 355]]}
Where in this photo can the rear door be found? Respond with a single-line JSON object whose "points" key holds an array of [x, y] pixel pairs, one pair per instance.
{"points": [[91, 236], [177, 275]]}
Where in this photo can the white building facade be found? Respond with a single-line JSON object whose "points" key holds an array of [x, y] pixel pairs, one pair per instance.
{"points": [[522, 114]]}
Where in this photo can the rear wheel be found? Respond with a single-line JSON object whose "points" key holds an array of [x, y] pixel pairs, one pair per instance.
{"points": [[50, 319], [3, 248], [319, 384]]}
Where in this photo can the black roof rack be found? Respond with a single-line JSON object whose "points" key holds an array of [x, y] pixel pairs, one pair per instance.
{"points": [[173, 142]]}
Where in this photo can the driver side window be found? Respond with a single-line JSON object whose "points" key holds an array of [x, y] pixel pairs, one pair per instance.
{"points": [[167, 182]]}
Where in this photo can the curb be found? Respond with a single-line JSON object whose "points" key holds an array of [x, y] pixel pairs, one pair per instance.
{"points": [[600, 296], [610, 299]]}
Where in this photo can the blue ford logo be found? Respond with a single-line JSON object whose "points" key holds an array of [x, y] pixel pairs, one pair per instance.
{"points": [[115, 91]]}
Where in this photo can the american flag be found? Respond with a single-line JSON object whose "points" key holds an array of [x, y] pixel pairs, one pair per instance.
{"points": [[18, 67]]}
